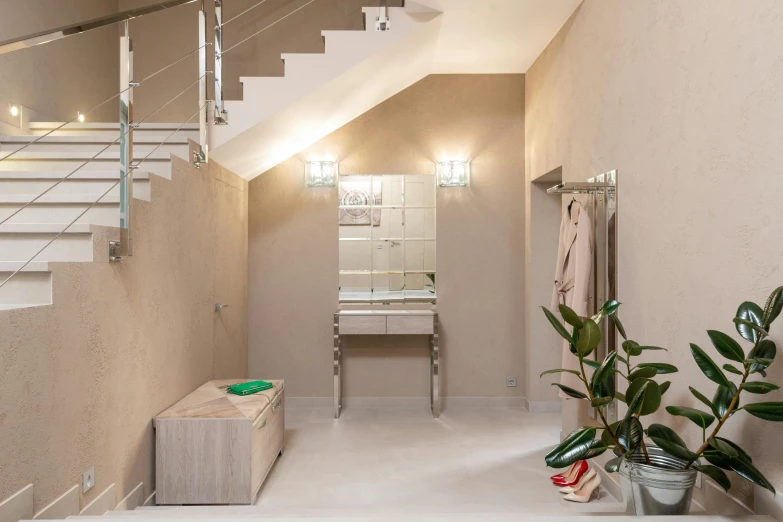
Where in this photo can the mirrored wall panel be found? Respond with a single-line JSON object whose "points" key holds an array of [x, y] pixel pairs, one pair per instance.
{"points": [[387, 238]]}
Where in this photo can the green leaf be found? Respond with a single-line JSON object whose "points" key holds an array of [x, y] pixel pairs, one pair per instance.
{"points": [[771, 411], [652, 348], [560, 370], [610, 307], [619, 396], [573, 448], [772, 308], [652, 399], [717, 458], [666, 439], [665, 386], [632, 348], [589, 338], [726, 346], [601, 401], [630, 434], [637, 394], [613, 465], [749, 472], [708, 366], [570, 391], [759, 387], [698, 417], [742, 453], [750, 313], [723, 447], [723, 398], [603, 373], [696, 393], [591, 363], [643, 373], [622, 359], [660, 368], [571, 317], [716, 474], [760, 332], [765, 349], [619, 326], [596, 448], [557, 325], [731, 369], [606, 436]]}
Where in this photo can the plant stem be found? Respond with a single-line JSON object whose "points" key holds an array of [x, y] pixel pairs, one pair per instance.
{"points": [[723, 419]]}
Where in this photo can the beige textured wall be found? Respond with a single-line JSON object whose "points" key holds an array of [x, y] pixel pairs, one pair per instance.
{"points": [[80, 380], [58, 79], [293, 260], [686, 100]]}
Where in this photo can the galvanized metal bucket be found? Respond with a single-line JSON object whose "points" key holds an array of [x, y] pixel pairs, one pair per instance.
{"points": [[664, 488]]}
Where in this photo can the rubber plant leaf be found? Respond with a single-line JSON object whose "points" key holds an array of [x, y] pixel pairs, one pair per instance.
{"points": [[660, 368], [749, 313], [716, 474], [560, 370], [666, 439], [652, 348], [630, 434], [742, 454], [557, 325], [596, 448], [610, 307], [652, 398], [771, 411], [772, 308], [664, 387], [632, 348], [643, 373], [749, 472], [708, 367], [765, 349], [619, 326], [760, 331], [726, 346], [591, 364], [575, 394], [701, 419], [603, 372], [571, 317], [723, 398], [613, 465], [573, 448], [731, 369], [589, 338], [606, 436], [696, 393], [599, 402], [759, 387], [723, 447], [637, 398]]}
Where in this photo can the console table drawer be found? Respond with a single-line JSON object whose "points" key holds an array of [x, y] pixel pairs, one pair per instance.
{"points": [[363, 325], [410, 324]]}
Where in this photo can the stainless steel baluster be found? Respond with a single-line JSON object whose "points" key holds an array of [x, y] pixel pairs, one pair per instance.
{"points": [[221, 116], [202, 87], [125, 247], [382, 22]]}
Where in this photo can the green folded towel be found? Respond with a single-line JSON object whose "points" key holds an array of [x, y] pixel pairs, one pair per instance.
{"points": [[249, 388]]}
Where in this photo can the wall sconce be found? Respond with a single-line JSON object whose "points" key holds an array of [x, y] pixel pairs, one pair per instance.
{"points": [[14, 110], [453, 173], [80, 117], [321, 173]]}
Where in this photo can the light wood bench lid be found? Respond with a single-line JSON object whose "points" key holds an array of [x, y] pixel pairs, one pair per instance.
{"points": [[211, 402]]}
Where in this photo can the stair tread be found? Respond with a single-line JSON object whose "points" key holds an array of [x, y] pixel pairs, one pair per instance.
{"points": [[33, 266], [44, 228], [80, 175], [96, 139], [48, 199], [80, 155], [49, 125]]}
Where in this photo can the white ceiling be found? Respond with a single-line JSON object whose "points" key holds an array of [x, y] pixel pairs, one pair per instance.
{"points": [[495, 36]]}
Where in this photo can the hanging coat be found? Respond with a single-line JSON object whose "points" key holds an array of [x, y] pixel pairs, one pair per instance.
{"points": [[572, 277]]}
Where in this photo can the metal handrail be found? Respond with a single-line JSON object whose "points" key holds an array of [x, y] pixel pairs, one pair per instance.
{"points": [[51, 35]]}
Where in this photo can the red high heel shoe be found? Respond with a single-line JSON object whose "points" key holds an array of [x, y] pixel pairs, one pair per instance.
{"points": [[561, 476], [574, 477]]}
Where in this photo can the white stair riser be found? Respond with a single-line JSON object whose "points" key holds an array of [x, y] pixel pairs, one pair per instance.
{"points": [[160, 168], [139, 149], [68, 247], [26, 289], [101, 214], [79, 152], [141, 187]]}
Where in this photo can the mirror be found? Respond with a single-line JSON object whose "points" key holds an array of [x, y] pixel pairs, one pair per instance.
{"points": [[387, 238]]}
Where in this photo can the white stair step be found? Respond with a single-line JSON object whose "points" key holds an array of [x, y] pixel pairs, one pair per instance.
{"points": [[144, 138], [114, 155], [189, 130], [62, 208], [158, 164], [21, 241], [27, 184], [178, 148], [60, 174], [60, 199], [30, 287]]}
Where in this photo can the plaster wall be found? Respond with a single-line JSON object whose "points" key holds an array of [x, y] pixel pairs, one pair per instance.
{"points": [[81, 380], [293, 260], [685, 99]]}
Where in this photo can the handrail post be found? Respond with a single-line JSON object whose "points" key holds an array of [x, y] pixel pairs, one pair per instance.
{"points": [[125, 247], [202, 87], [382, 22], [221, 116]]}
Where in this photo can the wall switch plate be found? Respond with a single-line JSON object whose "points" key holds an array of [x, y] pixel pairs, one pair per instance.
{"points": [[511, 382], [88, 479]]}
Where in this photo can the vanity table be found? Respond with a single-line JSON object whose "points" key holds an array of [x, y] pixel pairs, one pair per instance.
{"points": [[387, 322]]}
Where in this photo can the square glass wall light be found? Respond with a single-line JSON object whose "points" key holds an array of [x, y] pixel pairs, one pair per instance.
{"points": [[453, 173], [321, 173]]}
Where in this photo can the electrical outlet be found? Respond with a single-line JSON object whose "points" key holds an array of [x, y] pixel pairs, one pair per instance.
{"points": [[511, 382], [88, 479]]}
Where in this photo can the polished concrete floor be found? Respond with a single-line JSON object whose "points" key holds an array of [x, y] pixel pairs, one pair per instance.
{"points": [[469, 460]]}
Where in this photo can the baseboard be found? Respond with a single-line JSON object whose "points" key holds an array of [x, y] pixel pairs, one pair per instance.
{"points": [[543, 406], [150, 500], [64, 506], [419, 402], [134, 499], [609, 481], [103, 503], [297, 403], [18, 506], [386, 402], [472, 403]]}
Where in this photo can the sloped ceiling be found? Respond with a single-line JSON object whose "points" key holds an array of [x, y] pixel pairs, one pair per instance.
{"points": [[495, 36]]}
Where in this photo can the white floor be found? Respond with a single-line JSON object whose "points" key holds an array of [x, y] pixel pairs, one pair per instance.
{"points": [[480, 460]]}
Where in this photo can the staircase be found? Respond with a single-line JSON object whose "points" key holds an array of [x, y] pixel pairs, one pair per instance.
{"points": [[280, 116], [28, 173]]}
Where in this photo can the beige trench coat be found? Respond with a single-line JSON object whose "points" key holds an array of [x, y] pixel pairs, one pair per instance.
{"points": [[572, 276]]}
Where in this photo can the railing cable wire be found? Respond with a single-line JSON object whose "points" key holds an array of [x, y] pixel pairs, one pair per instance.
{"points": [[267, 27], [36, 198], [242, 13], [77, 218]]}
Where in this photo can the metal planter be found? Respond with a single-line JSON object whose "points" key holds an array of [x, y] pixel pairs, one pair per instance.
{"points": [[663, 489]]}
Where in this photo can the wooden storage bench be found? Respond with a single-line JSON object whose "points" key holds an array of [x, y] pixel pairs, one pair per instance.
{"points": [[213, 447]]}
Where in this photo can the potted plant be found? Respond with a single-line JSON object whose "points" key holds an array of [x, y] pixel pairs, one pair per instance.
{"points": [[658, 478]]}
